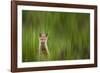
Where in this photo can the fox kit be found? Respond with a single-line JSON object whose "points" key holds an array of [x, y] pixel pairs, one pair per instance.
{"points": [[43, 48]]}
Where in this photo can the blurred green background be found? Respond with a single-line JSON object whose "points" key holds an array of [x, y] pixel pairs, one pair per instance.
{"points": [[68, 35]]}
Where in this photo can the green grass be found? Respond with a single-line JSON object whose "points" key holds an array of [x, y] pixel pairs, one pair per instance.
{"points": [[68, 35]]}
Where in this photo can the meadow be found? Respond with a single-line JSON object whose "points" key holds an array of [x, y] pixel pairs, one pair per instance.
{"points": [[68, 35]]}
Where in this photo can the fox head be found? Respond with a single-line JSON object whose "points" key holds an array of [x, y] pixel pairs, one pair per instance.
{"points": [[43, 37]]}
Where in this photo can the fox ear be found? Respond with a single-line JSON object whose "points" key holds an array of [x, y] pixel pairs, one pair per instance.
{"points": [[46, 34]]}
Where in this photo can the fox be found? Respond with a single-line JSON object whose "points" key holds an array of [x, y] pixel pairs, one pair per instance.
{"points": [[43, 47]]}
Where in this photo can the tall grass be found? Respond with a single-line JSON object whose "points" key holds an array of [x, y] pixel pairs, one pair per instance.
{"points": [[68, 35]]}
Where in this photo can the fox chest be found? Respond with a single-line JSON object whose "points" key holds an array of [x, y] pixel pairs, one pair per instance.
{"points": [[43, 47]]}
